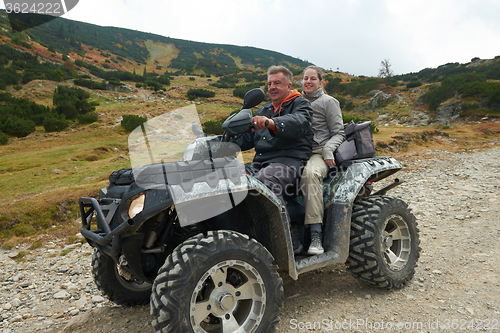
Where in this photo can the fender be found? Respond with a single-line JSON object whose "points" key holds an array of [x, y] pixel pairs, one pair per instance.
{"points": [[345, 185]]}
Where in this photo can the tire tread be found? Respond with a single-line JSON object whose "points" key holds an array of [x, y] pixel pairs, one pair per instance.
{"points": [[364, 261], [169, 294]]}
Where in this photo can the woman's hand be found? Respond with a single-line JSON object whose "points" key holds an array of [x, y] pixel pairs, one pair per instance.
{"points": [[330, 163]]}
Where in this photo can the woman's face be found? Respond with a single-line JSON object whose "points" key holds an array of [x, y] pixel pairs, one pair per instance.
{"points": [[311, 81]]}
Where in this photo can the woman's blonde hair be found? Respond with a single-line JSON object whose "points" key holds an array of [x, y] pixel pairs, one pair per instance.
{"points": [[319, 70]]}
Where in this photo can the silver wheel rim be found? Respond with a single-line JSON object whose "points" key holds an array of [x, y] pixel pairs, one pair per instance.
{"points": [[396, 242], [229, 297]]}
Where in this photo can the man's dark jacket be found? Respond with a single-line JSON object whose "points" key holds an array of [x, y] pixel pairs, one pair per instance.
{"points": [[291, 144]]}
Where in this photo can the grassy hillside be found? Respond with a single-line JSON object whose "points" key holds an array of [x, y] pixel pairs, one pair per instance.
{"points": [[124, 49], [43, 174]]}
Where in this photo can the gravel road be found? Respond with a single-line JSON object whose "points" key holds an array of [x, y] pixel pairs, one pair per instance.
{"points": [[455, 197]]}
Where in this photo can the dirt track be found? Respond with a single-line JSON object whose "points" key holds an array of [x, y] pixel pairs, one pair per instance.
{"points": [[456, 199]]}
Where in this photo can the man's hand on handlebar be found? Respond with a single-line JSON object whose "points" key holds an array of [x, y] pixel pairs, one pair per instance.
{"points": [[260, 122]]}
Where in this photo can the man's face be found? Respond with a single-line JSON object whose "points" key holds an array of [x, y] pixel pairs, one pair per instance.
{"points": [[278, 87]]}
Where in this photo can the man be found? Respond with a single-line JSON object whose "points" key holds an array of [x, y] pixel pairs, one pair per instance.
{"points": [[282, 136]]}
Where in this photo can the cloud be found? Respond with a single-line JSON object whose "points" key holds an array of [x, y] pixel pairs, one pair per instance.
{"points": [[438, 32]]}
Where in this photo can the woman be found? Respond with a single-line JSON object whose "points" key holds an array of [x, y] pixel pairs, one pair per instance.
{"points": [[328, 130]]}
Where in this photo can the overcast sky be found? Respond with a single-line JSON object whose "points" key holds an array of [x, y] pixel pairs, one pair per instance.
{"points": [[353, 36]]}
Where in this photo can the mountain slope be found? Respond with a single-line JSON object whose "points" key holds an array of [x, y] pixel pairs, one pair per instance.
{"points": [[114, 54], [129, 49]]}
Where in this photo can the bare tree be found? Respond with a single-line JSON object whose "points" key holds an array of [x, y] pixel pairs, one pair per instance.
{"points": [[385, 71]]}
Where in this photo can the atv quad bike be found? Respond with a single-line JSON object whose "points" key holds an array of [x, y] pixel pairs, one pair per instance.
{"points": [[190, 230]]}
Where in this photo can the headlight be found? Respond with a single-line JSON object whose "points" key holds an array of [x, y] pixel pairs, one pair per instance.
{"points": [[136, 206]]}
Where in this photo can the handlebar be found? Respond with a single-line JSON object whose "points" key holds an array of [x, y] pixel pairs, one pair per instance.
{"points": [[265, 124]]}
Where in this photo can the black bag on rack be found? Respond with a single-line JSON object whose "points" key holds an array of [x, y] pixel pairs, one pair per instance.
{"points": [[358, 143]]}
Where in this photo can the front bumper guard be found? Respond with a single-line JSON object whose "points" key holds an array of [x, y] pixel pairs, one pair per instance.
{"points": [[102, 237]]}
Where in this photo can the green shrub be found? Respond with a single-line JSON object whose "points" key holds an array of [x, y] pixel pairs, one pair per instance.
{"points": [[115, 81], [349, 106], [67, 108], [55, 123], [153, 84], [489, 92], [130, 122], [344, 104], [242, 90], [413, 84], [90, 84], [23, 230], [353, 88], [18, 127], [194, 93], [213, 127], [393, 83], [27, 77], [39, 118], [470, 106], [80, 63], [239, 92], [71, 102], [8, 76], [163, 79], [4, 139], [88, 118], [466, 84]]}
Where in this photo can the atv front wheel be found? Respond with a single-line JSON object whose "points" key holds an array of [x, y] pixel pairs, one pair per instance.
{"points": [[224, 282], [384, 246], [118, 285]]}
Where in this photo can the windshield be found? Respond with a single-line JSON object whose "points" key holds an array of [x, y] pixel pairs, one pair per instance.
{"points": [[204, 175], [163, 138]]}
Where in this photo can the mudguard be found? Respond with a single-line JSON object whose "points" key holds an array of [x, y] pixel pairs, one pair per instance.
{"points": [[345, 184]]}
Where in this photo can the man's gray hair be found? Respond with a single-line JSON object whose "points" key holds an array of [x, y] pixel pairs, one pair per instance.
{"points": [[280, 69]]}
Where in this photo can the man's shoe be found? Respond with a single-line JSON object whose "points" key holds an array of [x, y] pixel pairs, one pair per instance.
{"points": [[316, 246]]}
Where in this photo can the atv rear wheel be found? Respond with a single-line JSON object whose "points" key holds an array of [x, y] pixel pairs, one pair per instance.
{"points": [[118, 285], [384, 246], [224, 282]]}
